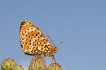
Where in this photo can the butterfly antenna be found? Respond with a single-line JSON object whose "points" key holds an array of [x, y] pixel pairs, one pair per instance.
{"points": [[50, 39], [59, 43]]}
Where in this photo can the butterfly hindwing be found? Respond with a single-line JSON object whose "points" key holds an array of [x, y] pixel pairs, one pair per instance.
{"points": [[32, 40]]}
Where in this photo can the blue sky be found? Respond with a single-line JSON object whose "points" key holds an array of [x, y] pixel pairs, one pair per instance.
{"points": [[81, 24]]}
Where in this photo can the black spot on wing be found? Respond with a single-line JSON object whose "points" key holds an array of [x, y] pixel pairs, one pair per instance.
{"points": [[23, 23]]}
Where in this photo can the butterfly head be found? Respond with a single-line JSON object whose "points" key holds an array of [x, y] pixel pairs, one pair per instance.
{"points": [[55, 49]]}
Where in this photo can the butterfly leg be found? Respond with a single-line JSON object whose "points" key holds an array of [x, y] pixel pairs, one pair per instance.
{"points": [[53, 59], [38, 55]]}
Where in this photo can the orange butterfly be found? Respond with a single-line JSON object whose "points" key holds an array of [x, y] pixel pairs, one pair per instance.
{"points": [[33, 41]]}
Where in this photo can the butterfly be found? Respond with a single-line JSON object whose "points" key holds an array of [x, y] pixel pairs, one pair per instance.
{"points": [[33, 41]]}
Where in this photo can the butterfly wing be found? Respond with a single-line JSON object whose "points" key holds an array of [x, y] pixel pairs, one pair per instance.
{"points": [[32, 40]]}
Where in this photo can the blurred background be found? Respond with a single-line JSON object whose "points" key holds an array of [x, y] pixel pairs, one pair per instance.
{"points": [[81, 24]]}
